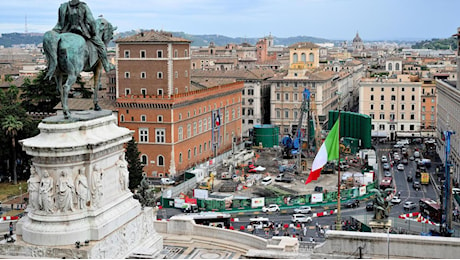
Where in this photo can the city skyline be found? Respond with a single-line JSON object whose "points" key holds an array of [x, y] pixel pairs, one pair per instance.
{"points": [[328, 19]]}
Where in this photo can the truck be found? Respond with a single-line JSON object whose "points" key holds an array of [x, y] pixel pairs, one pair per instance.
{"points": [[283, 178], [425, 179]]}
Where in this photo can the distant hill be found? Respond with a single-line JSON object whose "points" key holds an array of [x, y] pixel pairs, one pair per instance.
{"points": [[437, 44], [10, 39]]}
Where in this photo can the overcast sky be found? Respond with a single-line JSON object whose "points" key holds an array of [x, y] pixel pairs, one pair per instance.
{"points": [[330, 19]]}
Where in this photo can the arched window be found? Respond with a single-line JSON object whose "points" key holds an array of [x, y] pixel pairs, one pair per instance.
{"points": [[294, 58], [160, 160], [390, 66], [303, 57], [144, 159], [396, 66], [122, 118], [311, 57]]}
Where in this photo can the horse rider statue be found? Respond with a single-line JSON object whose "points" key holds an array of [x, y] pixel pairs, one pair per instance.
{"points": [[76, 17]]}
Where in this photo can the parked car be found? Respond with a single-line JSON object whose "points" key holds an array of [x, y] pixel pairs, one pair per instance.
{"points": [[267, 180], [400, 167], [416, 154], [408, 205], [301, 218], [395, 200], [303, 210], [387, 174], [167, 181], [370, 206], [353, 203], [271, 208], [416, 185], [386, 166], [384, 159]]}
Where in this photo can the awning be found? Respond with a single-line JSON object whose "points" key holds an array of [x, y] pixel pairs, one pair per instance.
{"points": [[379, 134]]}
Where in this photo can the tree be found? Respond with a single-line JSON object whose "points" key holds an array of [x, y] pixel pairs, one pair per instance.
{"points": [[39, 95], [135, 167], [12, 125], [10, 106]]}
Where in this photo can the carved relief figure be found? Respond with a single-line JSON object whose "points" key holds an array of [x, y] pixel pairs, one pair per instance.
{"points": [[81, 188], [122, 165], [33, 188], [46, 193], [65, 191], [96, 185]]}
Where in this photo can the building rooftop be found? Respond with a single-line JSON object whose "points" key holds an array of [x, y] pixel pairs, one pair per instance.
{"points": [[152, 36]]}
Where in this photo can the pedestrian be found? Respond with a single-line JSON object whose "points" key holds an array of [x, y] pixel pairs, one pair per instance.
{"points": [[305, 231], [399, 194], [11, 229]]}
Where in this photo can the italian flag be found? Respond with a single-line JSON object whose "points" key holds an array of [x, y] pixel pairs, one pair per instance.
{"points": [[328, 151]]}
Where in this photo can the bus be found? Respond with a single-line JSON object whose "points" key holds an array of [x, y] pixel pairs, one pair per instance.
{"points": [[214, 219], [430, 209]]}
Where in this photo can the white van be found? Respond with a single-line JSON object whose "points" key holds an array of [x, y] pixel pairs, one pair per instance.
{"points": [[259, 223]]}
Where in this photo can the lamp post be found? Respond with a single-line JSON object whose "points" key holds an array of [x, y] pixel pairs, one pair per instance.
{"points": [[339, 214], [20, 189]]}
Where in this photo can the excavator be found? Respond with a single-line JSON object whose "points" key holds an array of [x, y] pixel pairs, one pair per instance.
{"points": [[208, 185]]}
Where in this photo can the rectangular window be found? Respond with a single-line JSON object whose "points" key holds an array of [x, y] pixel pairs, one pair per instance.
{"points": [[160, 135], [127, 75], [278, 96], [143, 75], [412, 116], [126, 54], [159, 54], [159, 75], [402, 116], [144, 91], [381, 127], [382, 116], [286, 96], [143, 118], [382, 107], [411, 127], [402, 127], [143, 135], [143, 54], [372, 106], [382, 97], [127, 91]]}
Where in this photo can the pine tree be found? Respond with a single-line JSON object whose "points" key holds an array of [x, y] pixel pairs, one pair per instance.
{"points": [[135, 166]]}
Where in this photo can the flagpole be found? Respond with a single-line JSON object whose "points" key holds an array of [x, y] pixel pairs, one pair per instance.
{"points": [[339, 215]]}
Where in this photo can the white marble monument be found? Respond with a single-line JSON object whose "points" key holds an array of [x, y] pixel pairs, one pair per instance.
{"points": [[79, 193]]}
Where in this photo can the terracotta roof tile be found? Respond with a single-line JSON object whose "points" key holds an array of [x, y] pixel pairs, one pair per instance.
{"points": [[152, 36]]}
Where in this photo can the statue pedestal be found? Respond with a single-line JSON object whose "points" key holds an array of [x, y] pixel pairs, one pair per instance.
{"points": [[380, 226], [90, 146]]}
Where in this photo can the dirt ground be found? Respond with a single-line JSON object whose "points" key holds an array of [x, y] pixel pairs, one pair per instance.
{"points": [[270, 159]]}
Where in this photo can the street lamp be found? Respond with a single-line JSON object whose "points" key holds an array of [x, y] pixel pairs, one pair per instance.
{"points": [[20, 189]]}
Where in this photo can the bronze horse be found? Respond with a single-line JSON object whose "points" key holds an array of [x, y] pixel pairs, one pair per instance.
{"points": [[73, 55]]}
